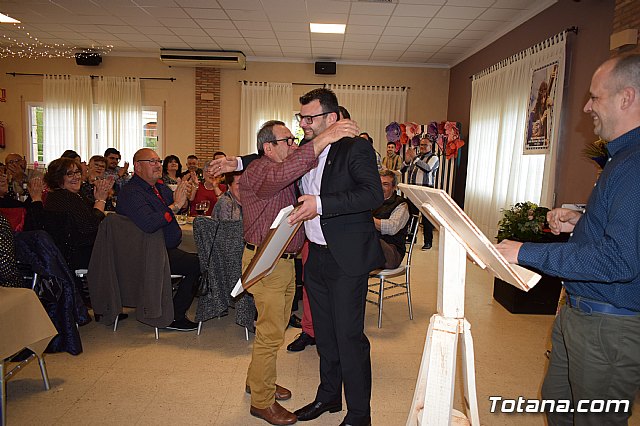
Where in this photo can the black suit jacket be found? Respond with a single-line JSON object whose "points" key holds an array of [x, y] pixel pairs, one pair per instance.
{"points": [[350, 190]]}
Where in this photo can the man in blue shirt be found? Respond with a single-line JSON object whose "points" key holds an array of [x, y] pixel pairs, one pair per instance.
{"points": [[596, 337], [151, 205]]}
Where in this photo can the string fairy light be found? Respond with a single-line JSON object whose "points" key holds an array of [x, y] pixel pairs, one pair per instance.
{"points": [[34, 48]]}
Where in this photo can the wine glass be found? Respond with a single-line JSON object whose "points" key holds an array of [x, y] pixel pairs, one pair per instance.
{"points": [[202, 207]]}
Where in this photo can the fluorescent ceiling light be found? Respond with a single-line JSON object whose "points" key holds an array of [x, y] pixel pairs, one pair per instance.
{"points": [[327, 28], [8, 20]]}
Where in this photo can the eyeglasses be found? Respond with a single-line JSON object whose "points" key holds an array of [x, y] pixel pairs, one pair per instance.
{"points": [[308, 119], [71, 174], [290, 141], [152, 161], [14, 161]]}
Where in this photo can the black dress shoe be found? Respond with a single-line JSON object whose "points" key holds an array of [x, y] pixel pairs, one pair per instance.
{"points": [[294, 321], [362, 422], [313, 410], [302, 341]]}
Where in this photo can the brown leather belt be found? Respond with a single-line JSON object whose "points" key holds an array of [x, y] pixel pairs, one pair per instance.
{"points": [[284, 255]]}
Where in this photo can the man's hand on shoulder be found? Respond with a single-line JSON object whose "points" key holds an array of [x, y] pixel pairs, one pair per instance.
{"points": [[308, 209], [338, 130]]}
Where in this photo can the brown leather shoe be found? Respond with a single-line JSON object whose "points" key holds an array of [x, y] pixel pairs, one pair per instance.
{"points": [[276, 414], [282, 394]]}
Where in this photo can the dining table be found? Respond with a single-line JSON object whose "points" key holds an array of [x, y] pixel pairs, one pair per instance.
{"points": [[187, 244]]}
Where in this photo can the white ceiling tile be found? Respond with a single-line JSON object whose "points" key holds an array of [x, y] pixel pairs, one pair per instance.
{"points": [[155, 30], [241, 4], [197, 3], [401, 31], [386, 56], [284, 26], [450, 24], [231, 43], [327, 5], [327, 37], [357, 45], [205, 46], [161, 3], [165, 38], [206, 13], [363, 8], [247, 15], [408, 21], [423, 49], [328, 18], [140, 44], [431, 41], [416, 10], [438, 33], [329, 44], [82, 28], [215, 23], [292, 35], [282, 4], [295, 43], [136, 21], [129, 12], [223, 32], [396, 39], [500, 14], [80, 8], [473, 35], [484, 25], [180, 23], [364, 29], [368, 20], [461, 43], [452, 49], [415, 57], [261, 41], [119, 29], [392, 46], [287, 50], [357, 51], [258, 34], [365, 38], [253, 25], [457, 12], [105, 19], [263, 50], [477, 3], [190, 32], [298, 55], [136, 37], [514, 4], [190, 39], [353, 57], [166, 12], [288, 15], [445, 56]]}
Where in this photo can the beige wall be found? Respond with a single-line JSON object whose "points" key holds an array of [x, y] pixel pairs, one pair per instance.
{"points": [[427, 98]]}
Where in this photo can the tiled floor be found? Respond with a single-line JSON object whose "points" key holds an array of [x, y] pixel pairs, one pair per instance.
{"points": [[128, 377]]}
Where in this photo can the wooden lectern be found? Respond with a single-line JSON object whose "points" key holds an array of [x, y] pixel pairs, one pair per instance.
{"points": [[459, 237]]}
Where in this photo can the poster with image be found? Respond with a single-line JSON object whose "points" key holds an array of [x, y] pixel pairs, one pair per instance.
{"points": [[540, 110]]}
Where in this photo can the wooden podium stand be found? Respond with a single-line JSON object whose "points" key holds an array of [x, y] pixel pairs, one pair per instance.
{"points": [[459, 237]]}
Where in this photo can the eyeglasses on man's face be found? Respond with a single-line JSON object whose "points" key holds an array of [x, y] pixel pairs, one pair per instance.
{"points": [[75, 173], [290, 141], [152, 161], [308, 119]]}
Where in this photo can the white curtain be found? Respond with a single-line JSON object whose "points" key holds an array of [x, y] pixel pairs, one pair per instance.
{"points": [[498, 174], [119, 115], [261, 102], [66, 119], [373, 108]]}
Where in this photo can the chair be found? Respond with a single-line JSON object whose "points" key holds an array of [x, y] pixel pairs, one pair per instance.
{"points": [[396, 288]]}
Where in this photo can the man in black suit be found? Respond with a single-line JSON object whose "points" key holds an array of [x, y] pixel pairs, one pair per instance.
{"points": [[339, 196]]}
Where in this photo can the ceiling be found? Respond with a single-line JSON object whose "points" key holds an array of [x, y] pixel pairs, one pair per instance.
{"points": [[391, 32]]}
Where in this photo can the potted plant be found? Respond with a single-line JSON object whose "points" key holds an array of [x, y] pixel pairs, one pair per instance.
{"points": [[527, 222]]}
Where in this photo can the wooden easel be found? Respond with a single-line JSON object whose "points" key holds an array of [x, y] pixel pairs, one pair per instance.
{"points": [[459, 236]]}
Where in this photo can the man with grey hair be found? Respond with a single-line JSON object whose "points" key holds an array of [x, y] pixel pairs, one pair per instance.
{"points": [[391, 220], [596, 336], [267, 186]]}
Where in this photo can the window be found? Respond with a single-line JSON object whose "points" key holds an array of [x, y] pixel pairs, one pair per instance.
{"points": [[151, 123]]}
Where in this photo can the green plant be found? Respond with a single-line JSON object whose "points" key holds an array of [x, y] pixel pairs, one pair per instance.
{"points": [[524, 222]]}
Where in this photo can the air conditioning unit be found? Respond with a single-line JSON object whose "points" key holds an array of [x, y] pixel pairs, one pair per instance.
{"points": [[204, 58]]}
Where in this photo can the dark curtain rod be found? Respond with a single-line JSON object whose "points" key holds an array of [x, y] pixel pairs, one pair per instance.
{"points": [[324, 84], [94, 76]]}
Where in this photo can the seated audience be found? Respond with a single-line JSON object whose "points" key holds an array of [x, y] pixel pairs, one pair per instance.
{"points": [[95, 171], [120, 174], [151, 205], [23, 215], [391, 220], [171, 170], [18, 176], [75, 156], [211, 189], [63, 178], [229, 206], [192, 166]]}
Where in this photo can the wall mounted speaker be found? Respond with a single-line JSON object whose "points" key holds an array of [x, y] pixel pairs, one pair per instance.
{"points": [[89, 59], [325, 67]]}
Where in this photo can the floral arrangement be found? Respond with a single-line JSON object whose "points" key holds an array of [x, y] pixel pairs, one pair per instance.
{"points": [[524, 222], [597, 151]]}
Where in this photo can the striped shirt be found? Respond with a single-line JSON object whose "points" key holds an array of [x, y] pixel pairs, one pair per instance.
{"points": [[422, 170]]}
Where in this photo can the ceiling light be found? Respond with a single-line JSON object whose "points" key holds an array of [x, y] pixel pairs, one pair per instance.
{"points": [[327, 28], [4, 19]]}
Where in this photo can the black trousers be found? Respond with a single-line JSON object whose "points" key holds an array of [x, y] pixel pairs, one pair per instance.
{"points": [[187, 264], [338, 304], [427, 227]]}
